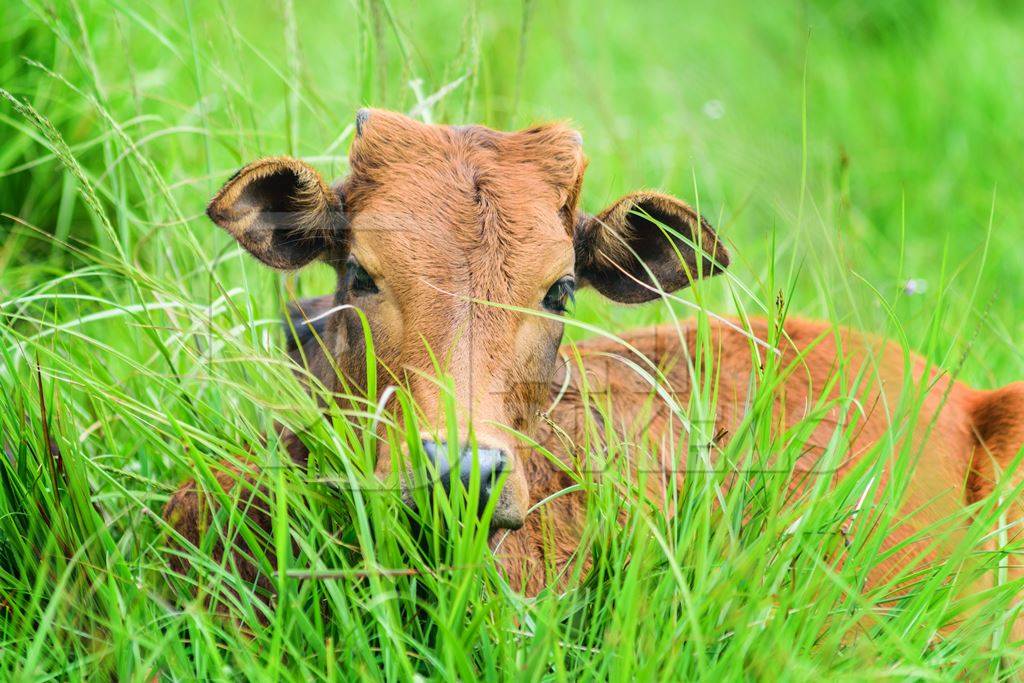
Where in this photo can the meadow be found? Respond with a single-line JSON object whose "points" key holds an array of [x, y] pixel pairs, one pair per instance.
{"points": [[861, 159]]}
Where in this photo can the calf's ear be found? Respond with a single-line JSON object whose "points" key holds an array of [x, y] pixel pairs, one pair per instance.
{"points": [[281, 211], [644, 244]]}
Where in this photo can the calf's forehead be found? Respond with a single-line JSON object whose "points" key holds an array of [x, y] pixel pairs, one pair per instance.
{"points": [[474, 196], [411, 242], [462, 182]]}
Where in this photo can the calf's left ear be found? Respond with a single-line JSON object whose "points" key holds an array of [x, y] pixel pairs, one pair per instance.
{"points": [[281, 211], [644, 244]]}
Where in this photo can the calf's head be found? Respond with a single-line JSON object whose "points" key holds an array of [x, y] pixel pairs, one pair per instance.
{"points": [[463, 246]]}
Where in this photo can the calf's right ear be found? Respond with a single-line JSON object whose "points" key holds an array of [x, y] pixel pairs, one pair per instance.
{"points": [[281, 211]]}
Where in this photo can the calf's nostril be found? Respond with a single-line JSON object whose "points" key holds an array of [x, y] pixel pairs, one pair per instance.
{"points": [[491, 463], [437, 455]]}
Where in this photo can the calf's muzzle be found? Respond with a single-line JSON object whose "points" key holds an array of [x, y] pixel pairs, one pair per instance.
{"points": [[491, 464]]}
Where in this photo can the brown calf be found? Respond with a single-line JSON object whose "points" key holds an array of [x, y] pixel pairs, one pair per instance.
{"points": [[462, 245]]}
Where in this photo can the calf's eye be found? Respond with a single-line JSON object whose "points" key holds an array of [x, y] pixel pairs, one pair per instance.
{"points": [[560, 295], [359, 281]]}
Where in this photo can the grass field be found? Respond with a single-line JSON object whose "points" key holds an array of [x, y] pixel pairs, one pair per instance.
{"points": [[861, 158]]}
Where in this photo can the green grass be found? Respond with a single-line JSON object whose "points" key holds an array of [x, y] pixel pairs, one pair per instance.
{"points": [[841, 148]]}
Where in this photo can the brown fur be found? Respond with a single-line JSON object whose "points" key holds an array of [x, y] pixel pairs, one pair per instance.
{"points": [[462, 228], [190, 511]]}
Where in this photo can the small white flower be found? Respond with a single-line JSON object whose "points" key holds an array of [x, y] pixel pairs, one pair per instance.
{"points": [[915, 286], [714, 109]]}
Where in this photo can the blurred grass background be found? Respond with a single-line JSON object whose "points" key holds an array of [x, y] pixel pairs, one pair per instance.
{"points": [[862, 159]]}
